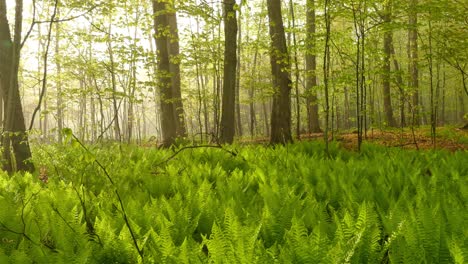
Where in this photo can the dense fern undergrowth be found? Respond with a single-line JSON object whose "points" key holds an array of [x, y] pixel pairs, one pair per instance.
{"points": [[287, 204]]}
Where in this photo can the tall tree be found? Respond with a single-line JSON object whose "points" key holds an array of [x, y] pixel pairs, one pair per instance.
{"points": [[238, 74], [280, 69], [16, 151], [174, 68], [58, 66], [113, 73], [230, 65], [326, 71], [311, 67], [360, 21], [386, 71], [413, 59], [296, 70], [161, 26]]}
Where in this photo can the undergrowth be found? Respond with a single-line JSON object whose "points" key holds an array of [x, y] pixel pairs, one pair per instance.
{"points": [[251, 204]]}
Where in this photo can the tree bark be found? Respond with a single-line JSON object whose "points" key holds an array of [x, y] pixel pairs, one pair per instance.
{"points": [[296, 72], [311, 67], [326, 73], [413, 58], [280, 69], [386, 71], [117, 130], [239, 130], [174, 68], [399, 82], [253, 120], [161, 26], [58, 66], [16, 151], [230, 65]]}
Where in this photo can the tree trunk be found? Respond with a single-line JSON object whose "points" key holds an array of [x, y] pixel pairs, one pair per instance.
{"points": [[280, 69], [1, 110], [174, 67], [117, 131], [461, 109], [58, 66], [206, 116], [386, 71], [413, 59], [161, 24], [253, 120], [326, 73], [311, 67], [216, 86], [296, 72], [347, 108], [230, 65], [238, 118], [265, 117], [16, 151], [359, 21], [399, 82], [132, 84]]}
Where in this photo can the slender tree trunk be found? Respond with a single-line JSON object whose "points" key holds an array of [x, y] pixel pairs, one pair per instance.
{"points": [[82, 110], [1, 111], [347, 108], [154, 73], [359, 18], [413, 59], [117, 131], [200, 98], [296, 71], [217, 87], [252, 94], [442, 114], [130, 108], [437, 93], [238, 116], [311, 68], [401, 89], [92, 105], [215, 95], [461, 110], [58, 66], [431, 86], [206, 116], [132, 83], [230, 65], [101, 108], [280, 69], [161, 25], [43, 89], [363, 86], [265, 117], [16, 151], [39, 58], [326, 72], [253, 74]]}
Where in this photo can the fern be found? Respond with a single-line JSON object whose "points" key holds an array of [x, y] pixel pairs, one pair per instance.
{"points": [[283, 205]]}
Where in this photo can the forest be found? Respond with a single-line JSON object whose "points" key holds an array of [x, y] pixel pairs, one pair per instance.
{"points": [[262, 131]]}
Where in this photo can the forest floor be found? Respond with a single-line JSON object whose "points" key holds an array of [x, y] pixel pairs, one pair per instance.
{"points": [[448, 138]]}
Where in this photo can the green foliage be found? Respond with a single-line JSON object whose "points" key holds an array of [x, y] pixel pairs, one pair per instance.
{"points": [[288, 204]]}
